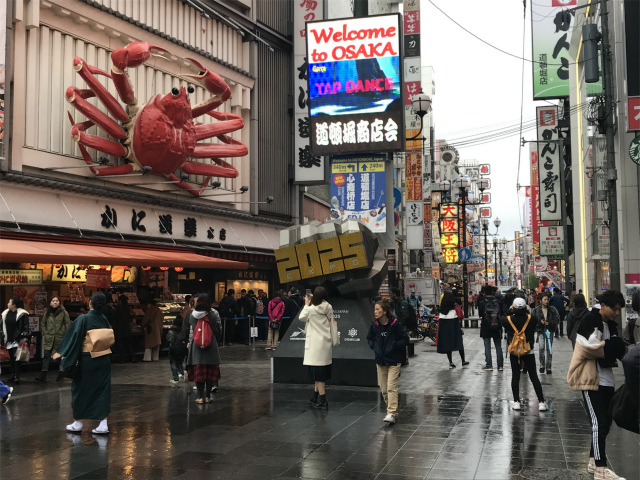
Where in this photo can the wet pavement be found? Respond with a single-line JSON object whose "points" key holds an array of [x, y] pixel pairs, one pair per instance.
{"points": [[453, 424]]}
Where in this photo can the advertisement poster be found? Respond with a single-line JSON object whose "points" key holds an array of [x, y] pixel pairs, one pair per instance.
{"points": [[20, 277], [552, 242], [98, 278], [549, 164], [355, 85], [28, 296], [551, 28], [40, 303], [357, 190]]}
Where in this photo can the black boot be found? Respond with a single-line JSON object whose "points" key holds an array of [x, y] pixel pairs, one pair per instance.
{"points": [[42, 377], [314, 399], [322, 402], [60, 377]]}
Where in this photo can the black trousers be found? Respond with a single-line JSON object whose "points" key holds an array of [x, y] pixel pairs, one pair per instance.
{"points": [[15, 366], [596, 404], [529, 362], [123, 347]]}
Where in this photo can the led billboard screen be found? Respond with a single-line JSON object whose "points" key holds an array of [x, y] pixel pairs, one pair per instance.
{"points": [[355, 85]]}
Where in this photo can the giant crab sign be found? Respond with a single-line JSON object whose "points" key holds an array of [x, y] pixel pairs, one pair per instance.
{"points": [[161, 135]]}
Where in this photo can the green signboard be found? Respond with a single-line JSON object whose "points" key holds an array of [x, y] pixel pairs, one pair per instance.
{"points": [[552, 25]]}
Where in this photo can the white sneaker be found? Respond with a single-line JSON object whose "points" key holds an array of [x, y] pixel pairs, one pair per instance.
{"points": [[603, 473], [174, 382], [96, 431], [390, 418], [591, 468], [517, 406], [543, 407], [180, 377]]}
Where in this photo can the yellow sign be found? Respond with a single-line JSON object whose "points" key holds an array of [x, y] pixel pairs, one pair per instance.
{"points": [[449, 210], [450, 255], [366, 167], [323, 257], [449, 240], [339, 167]]}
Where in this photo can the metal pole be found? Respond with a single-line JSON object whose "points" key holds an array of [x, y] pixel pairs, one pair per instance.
{"points": [[495, 263], [500, 254], [465, 284], [612, 175], [486, 255]]}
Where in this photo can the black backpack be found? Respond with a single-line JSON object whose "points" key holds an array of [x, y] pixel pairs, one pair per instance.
{"points": [[178, 346], [492, 313]]}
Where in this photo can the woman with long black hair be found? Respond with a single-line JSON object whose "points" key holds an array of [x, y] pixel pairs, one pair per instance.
{"points": [[54, 325], [450, 330]]}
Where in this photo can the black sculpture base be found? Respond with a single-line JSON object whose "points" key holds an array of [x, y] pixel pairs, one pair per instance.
{"points": [[353, 361]]}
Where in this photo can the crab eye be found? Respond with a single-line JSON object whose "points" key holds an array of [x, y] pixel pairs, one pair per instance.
{"points": [[191, 89], [175, 92]]}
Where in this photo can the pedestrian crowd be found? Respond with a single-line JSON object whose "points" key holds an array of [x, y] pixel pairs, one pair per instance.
{"points": [[522, 318]]}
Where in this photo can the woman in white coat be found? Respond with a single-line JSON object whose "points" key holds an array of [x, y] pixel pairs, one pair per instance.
{"points": [[318, 315]]}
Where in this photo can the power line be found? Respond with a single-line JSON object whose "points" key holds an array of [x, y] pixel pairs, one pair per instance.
{"points": [[493, 46]]}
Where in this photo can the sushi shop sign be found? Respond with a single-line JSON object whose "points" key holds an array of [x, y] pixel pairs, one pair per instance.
{"points": [[20, 277]]}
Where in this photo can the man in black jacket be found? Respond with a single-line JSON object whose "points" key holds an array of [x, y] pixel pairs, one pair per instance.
{"points": [[490, 329], [389, 340], [596, 402], [558, 301], [246, 310], [228, 309]]}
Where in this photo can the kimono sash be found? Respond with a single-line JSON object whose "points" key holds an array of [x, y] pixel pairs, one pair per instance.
{"points": [[98, 342]]}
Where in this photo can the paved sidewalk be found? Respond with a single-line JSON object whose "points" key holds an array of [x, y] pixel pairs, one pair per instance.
{"points": [[453, 424]]}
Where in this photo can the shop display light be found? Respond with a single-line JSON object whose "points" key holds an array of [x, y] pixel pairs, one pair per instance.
{"points": [[164, 269], [178, 269], [146, 268], [104, 267]]}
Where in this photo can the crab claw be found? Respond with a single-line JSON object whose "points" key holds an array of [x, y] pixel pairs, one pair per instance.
{"points": [[214, 84], [133, 55]]}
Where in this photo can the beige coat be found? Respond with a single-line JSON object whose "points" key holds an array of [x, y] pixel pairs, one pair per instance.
{"points": [[317, 346], [583, 372], [152, 316]]}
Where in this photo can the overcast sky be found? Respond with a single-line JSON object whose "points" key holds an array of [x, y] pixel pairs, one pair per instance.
{"points": [[479, 89]]}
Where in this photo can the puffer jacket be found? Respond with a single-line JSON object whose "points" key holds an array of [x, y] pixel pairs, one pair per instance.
{"points": [[276, 310], [54, 325], [389, 345]]}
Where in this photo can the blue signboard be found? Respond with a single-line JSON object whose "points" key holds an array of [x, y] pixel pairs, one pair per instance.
{"points": [[464, 254], [355, 93], [397, 198], [357, 190]]}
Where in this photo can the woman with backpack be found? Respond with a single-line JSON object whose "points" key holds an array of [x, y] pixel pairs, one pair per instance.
{"points": [[450, 330], [203, 360], [520, 329]]}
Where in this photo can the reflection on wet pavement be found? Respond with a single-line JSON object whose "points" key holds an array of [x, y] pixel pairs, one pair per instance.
{"points": [[454, 424]]}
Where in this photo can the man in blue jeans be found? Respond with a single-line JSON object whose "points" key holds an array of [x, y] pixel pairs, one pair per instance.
{"points": [[490, 310]]}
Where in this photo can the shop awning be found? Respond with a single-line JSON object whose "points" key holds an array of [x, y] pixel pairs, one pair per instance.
{"points": [[23, 251]]}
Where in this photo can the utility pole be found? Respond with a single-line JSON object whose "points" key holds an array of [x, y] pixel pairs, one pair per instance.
{"points": [[612, 174]]}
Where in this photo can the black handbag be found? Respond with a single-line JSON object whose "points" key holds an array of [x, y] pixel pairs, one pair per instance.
{"points": [[73, 372], [275, 325], [624, 410]]}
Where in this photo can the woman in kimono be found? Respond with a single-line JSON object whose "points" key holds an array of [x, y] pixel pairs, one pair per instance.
{"points": [[86, 344]]}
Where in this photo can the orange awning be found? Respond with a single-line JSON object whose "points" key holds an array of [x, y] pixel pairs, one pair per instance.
{"points": [[23, 251]]}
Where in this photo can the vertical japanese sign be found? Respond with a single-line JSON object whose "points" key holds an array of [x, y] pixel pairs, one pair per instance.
{"points": [[309, 168], [449, 226], [549, 164], [355, 85], [358, 190]]}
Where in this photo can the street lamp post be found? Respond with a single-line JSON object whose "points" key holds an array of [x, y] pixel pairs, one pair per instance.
{"points": [[465, 183], [485, 228]]}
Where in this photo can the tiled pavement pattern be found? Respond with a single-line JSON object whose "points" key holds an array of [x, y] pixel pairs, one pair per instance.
{"points": [[453, 424]]}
